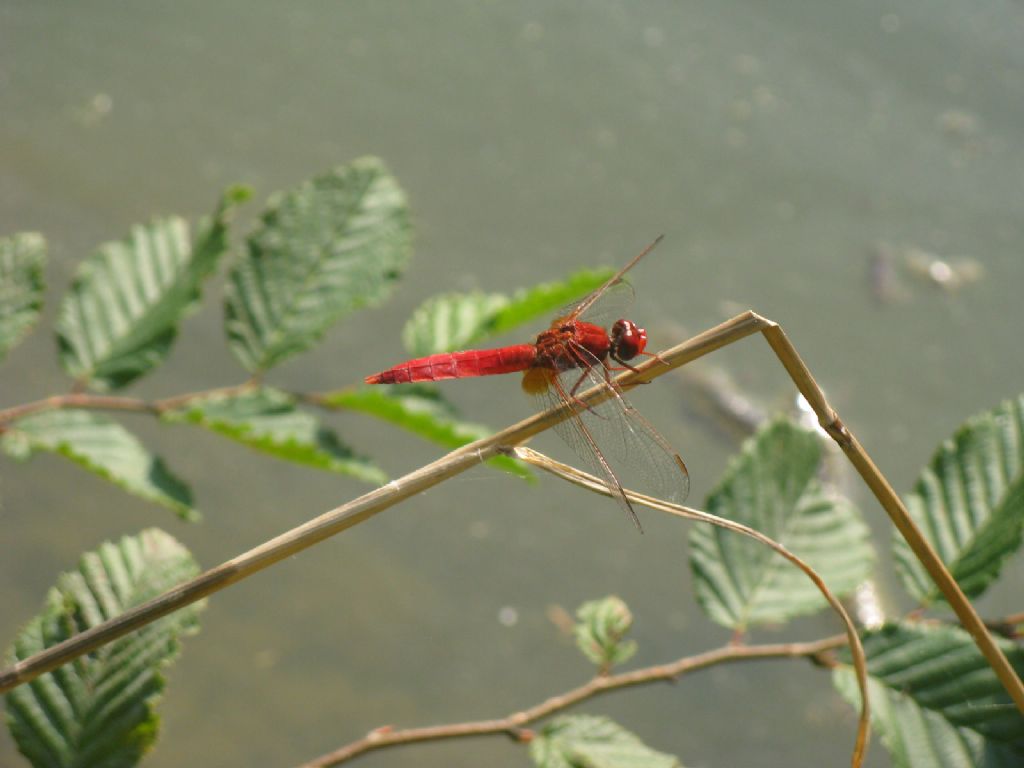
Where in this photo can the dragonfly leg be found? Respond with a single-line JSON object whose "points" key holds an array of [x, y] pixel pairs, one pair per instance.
{"points": [[624, 366], [571, 395], [657, 357]]}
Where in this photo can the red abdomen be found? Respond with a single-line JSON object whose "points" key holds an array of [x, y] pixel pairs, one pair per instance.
{"points": [[458, 365]]}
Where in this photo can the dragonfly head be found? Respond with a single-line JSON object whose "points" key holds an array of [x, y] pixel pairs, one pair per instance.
{"points": [[628, 340]]}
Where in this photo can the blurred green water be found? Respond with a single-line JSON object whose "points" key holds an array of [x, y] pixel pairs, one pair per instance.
{"points": [[776, 145]]}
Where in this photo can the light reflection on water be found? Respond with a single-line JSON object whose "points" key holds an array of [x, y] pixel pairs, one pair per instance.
{"points": [[778, 146]]}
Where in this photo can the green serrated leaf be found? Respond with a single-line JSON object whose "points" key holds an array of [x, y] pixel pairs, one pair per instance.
{"points": [[935, 701], [100, 709], [772, 487], [269, 421], [585, 741], [601, 630], [969, 503], [422, 411], [450, 321], [22, 260], [121, 316], [333, 245], [542, 300], [104, 447]]}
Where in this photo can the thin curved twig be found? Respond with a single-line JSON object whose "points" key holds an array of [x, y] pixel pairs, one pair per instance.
{"points": [[514, 723], [591, 483], [92, 402]]}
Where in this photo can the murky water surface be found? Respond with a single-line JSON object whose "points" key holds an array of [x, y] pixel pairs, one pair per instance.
{"points": [[825, 164]]}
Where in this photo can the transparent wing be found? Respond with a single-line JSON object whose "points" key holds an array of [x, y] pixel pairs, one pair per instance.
{"points": [[612, 305], [615, 442]]}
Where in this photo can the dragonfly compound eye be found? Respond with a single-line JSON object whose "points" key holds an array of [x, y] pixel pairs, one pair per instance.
{"points": [[628, 339]]}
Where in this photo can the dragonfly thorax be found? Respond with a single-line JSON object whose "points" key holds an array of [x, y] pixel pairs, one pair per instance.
{"points": [[572, 344]]}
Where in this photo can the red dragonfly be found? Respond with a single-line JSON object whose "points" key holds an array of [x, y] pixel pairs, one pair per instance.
{"points": [[573, 355]]}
